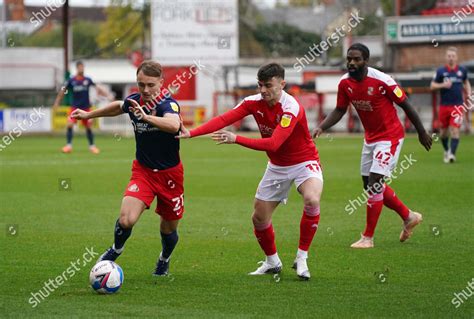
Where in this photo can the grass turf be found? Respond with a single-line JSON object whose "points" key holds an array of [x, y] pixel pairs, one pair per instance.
{"points": [[59, 205]]}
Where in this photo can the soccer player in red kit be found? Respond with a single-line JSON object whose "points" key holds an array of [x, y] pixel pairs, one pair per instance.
{"points": [[372, 93], [293, 159], [157, 170]]}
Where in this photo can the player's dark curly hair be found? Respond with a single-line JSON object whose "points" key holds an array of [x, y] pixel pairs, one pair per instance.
{"points": [[270, 70], [150, 68], [362, 48]]}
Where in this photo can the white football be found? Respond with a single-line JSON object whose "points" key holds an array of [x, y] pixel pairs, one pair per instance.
{"points": [[106, 277]]}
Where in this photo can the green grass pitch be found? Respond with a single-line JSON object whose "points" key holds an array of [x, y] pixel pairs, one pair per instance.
{"points": [[46, 226]]}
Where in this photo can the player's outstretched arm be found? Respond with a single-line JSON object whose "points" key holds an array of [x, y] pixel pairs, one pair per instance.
{"points": [[112, 109], [424, 138], [267, 144], [217, 123], [334, 117]]}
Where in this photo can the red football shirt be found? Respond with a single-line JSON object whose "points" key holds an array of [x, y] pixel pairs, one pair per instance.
{"points": [[283, 127], [373, 99]]}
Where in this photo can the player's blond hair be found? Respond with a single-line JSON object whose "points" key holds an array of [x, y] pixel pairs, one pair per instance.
{"points": [[150, 68], [452, 49]]}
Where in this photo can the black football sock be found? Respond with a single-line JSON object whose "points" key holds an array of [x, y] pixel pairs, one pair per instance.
{"points": [[168, 241], [454, 145], [90, 136], [69, 135], [120, 236], [444, 142]]}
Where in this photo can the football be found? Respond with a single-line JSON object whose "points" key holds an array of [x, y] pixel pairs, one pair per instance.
{"points": [[106, 277]]}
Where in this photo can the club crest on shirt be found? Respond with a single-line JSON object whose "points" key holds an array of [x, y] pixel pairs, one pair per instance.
{"points": [[349, 89], [459, 73], [382, 90]]}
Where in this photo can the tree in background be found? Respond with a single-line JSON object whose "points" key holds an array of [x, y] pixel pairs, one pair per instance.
{"points": [[83, 35], [124, 28]]}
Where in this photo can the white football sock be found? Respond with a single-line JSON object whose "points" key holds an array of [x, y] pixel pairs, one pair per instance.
{"points": [[273, 259], [301, 254]]}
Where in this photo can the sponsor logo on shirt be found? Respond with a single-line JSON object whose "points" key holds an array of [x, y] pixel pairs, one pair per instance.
{"points": [[141, 127], [362, 105], [265, 130]]}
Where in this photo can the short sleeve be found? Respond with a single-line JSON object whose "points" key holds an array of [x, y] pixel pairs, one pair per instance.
{"points": [[170, 107], [395, 93], [342, 98], [68, 84], [91, 83], [125, 105], [438, 77]]}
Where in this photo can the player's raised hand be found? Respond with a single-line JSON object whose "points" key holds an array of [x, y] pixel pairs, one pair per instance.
{"points": [[425, 140], [183, 132], [79, 114], [224, 137], [137, 110], [317, 131]]}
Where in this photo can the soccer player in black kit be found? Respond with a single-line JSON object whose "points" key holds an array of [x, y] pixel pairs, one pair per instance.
{"points": [[157, 169]]}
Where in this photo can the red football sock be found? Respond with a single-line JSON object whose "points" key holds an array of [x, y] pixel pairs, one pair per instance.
{"points": [[374, 208], [266, 239], [393, 202], [308, 226]]}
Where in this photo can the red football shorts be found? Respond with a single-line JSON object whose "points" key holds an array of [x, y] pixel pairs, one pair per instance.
{"points": [[166, 185], [450, 116], [86, 123]]}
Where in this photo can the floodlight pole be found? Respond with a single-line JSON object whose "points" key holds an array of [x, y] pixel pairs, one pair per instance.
{"points": [[66, 35]]}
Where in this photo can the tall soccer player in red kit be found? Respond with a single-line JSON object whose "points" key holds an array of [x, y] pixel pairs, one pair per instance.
{"points": [[372, 93], [293, 159]]}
